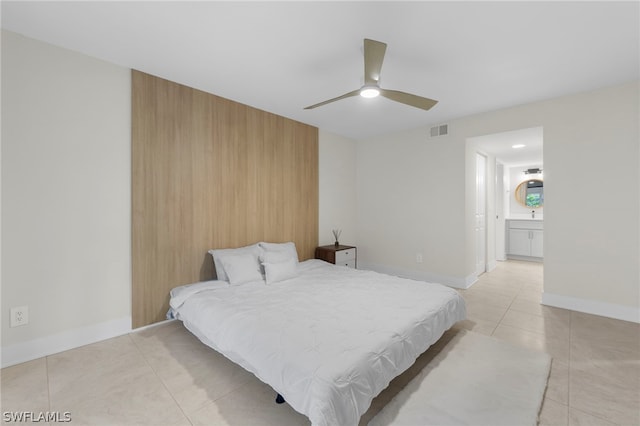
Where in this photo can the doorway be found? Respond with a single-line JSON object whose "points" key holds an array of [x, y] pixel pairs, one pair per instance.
{"points": [[481, 214], [500, 160]]}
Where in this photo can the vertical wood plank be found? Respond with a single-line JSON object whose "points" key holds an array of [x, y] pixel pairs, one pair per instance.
{"points": [[208, 173]]}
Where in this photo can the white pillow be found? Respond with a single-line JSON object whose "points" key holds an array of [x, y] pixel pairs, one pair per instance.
{"points": [[241, 268], [280, 271], [275, 256], [287, 250], [219, 254]]}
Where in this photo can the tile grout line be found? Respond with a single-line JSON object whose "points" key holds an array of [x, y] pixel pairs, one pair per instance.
{"points": [[570, 367], [211, 401], [46, 366], [164, 385], [569, 381], [520, 291], [508, 308]]}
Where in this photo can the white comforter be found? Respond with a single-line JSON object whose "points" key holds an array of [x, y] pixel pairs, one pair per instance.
{"points": [[328, 340]]}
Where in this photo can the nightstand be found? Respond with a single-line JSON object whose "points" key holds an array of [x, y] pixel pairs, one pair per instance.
{"points": [[338, 255]]}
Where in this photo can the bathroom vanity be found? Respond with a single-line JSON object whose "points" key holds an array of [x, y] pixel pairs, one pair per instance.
{"points": [[524, 239]]}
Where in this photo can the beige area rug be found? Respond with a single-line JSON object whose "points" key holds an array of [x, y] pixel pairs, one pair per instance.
{"points": [[474, 380]]}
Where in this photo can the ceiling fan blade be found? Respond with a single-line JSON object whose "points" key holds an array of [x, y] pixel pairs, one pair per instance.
{"points": [[346, 95], [408, 99], [373, 57]]}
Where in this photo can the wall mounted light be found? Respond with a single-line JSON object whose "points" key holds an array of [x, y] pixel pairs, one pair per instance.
{"points": [[532, 171]]}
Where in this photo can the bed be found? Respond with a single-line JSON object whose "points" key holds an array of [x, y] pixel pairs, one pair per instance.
{"points": [[327, 338]]}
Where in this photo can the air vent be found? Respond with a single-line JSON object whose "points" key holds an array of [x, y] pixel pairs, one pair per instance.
{"points": [[440, 130]]}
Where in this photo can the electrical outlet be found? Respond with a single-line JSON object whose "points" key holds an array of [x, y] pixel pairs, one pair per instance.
{"points": [[19, 316], [418, 257]]}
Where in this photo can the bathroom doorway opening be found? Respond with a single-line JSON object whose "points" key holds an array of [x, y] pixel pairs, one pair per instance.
{"points": [[503, 160]]}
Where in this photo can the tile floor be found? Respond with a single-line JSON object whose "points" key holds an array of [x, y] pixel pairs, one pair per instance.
{"points": [[165, 376]]}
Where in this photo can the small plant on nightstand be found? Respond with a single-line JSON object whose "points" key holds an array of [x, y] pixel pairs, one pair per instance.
{"points": [[336, 235]]}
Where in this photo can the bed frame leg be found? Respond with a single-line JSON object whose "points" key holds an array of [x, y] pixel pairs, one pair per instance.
{"points": [[279, 399]]}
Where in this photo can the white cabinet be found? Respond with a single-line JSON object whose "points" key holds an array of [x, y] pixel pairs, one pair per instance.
{"points": [[338, 255], [519, 242], [536, 243], [346, 257], [524, 239]]}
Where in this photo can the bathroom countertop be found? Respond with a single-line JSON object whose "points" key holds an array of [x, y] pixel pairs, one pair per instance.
{"points": [[537, 219]]}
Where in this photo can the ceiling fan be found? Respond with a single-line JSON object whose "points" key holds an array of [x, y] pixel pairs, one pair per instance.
{"points": [[373, 56]]}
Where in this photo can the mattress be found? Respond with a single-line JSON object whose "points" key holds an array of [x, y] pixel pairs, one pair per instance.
{"points": [[328, 340]]}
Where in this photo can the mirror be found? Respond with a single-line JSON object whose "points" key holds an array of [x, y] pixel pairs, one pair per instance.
{"points": [[530, 193]]}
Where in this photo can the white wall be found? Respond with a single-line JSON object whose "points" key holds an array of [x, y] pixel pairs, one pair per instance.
{"points": [[591, 231], [65, 198], [421, 188], [410, 201], [66, 211], [337, 188], [591, 247]]}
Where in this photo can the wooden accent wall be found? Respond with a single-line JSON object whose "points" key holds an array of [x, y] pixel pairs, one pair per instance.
{"points": [[208, 173]]}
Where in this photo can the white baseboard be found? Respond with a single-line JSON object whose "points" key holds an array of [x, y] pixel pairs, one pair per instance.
{"points": [[44, 346], [469, 281], [603, 309], [155, 324], [455, 282], [526, 258]]}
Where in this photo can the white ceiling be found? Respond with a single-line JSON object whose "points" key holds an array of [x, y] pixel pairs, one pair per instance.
{"points": [[501, 146], [282, 56]]}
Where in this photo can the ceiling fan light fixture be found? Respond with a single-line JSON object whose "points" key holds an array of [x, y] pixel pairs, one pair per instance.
{"points": [[373, 57], [369, 91]]}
